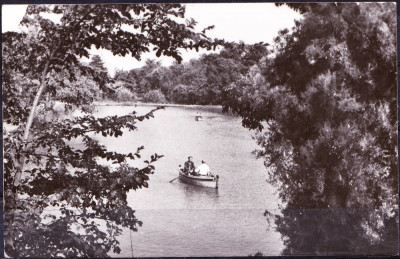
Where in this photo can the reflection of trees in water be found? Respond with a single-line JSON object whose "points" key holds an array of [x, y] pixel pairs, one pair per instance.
{"points": [[336, 232], [195, 193]]}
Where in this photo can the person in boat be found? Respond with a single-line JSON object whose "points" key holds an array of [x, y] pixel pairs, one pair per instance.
{"points": [[189, 166], [198, 116], [203, 169]]}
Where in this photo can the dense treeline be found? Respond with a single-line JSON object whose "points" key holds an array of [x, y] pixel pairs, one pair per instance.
{"points": [[199, 81], [325, 114]]}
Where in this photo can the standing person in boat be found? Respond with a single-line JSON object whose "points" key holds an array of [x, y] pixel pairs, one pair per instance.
{"points": [[189, 166], [203, 169]]}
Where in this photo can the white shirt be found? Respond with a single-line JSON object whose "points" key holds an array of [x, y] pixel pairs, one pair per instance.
{"points": [[203, 169]]}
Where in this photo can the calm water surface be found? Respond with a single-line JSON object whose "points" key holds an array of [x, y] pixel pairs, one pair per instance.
{"points": [[183, 220]]}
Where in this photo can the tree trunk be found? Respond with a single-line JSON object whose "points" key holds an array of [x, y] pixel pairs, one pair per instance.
{"points": [[18, 174], [29, 123]]}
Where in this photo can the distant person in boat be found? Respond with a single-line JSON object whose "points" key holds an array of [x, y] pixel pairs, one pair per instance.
{"points": [[189, 166], [203, 169]]}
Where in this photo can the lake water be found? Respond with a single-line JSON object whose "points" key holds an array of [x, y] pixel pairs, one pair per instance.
{"points": [[184, 220]]}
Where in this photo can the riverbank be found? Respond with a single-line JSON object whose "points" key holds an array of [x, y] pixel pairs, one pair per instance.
{"points": [[138, 103]]}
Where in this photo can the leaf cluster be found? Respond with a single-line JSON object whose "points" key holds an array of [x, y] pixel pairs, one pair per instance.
{"points": [[69, 203], [72, 181]]}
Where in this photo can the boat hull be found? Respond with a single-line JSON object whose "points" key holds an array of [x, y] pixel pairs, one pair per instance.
{"points": [[204, 181]]}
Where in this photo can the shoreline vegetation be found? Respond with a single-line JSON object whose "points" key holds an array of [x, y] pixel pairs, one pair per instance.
{"points": [[139, 103], [321, 101], [204, 81], [60, 112]]}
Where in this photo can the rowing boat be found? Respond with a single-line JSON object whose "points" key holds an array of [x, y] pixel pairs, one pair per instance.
{"points": [[201, 180]]}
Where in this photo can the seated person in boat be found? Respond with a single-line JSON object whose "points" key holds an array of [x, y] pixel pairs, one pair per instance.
{"points": [[203, 169], [189, 166]]}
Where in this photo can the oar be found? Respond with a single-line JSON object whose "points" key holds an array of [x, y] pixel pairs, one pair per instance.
{"points": [[174, 179]]}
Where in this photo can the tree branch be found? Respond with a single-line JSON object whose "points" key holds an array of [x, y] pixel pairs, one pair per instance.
{"points": [[42, 86]]}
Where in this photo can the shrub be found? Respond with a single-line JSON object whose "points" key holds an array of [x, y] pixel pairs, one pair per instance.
{"points": [[154, 96], [123, 94]]}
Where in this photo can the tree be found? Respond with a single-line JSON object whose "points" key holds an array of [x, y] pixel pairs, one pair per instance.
{"points": [[127, 85], [54, 164], [199, 81], [97, 63], [326, 122], [150, 78]]}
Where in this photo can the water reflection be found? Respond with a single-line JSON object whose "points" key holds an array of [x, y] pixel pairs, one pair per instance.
{"points": [[336, 232], [195, 191], [194, 196]]}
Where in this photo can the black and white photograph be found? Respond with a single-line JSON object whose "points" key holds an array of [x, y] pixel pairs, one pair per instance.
{"points": [[200, 129]]}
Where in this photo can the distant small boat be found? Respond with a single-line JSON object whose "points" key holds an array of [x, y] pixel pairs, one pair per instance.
{"points": [[205, 181], [198, 118]]}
